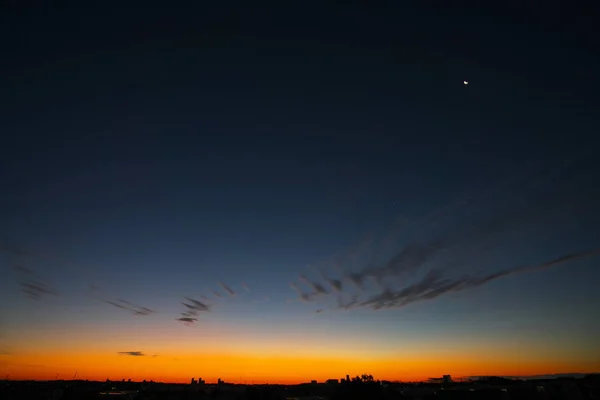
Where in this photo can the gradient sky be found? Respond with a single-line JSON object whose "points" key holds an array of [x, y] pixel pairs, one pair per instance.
{"points": [[149, 156]]}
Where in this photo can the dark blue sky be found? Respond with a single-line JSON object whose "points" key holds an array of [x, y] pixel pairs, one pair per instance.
{"points": [[159, 151]]}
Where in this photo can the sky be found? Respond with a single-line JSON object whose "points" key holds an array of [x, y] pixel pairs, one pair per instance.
{"points": [[296, 192]]}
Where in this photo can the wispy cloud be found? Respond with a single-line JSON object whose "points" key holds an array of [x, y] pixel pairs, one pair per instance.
{"points": [[190, 313], [434, 284], [131, 307], [143, 311], [196, 305], [336, 284], [30, 284], [36, 289], [315, 287], [131, 353], [438, 247], [227, 289], [189, 321], [303, 296], [193, 308], [118, 305]]}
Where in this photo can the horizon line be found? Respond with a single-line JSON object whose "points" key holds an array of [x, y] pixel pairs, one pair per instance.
{"points": [[455, 379]]}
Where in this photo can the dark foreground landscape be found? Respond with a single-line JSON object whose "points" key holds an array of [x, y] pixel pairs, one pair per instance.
{"points": [[587, 387]]}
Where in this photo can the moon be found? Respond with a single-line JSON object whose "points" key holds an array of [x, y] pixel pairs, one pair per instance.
{"points": [[465, 82]]}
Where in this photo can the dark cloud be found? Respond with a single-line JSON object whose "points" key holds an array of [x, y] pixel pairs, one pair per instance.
{"points": [[227, 289], [336, 284], [405, 262], [511, 210], [316, 287], [191, 313], [349, 304], [36, 289], [408, 260], [30, 284], [388, 297], [357, 279], [193, 308], [217, 294], [303, 296], [195, 305], [133, 308], [115, 304], [246, 288], [187, 320], [142, 311], [469, 231], [434, 285], [131, 353]]}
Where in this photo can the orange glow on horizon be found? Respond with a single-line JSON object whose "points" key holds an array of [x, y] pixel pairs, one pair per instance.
{"points": [[251, 368]]}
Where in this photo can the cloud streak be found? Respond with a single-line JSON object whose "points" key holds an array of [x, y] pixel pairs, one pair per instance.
{"points": [[195, 305], [128, 306], [36, 289], [434, 284], [29, 283], [131, 353], [335, 284], [316, 288], [193, 308], [189, 321], [227, 289], [303, 296], [463, 232]]}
